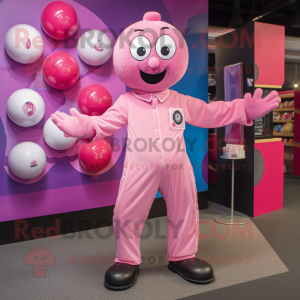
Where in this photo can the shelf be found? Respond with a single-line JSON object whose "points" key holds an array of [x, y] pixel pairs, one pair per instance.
{"points": [[283, 121], [213, 168], [283, 134], [288, 144], [288, 159], [291, 95], [296, 144], [267, 140], [284, 109]]}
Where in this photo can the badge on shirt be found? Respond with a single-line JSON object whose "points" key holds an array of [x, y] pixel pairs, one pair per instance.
{"points": [[177, 121]]}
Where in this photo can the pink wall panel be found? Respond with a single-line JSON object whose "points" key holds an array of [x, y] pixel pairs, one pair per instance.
{"points": [[268, 194], [269, 53]]}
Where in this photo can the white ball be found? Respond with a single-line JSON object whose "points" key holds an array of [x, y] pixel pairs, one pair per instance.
{"points": [[24, 44], [94, 47], [25, 107], [55, 138], [27, 160]]}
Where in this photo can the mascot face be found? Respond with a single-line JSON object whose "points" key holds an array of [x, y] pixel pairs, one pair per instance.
{"points": [[150, 55]]}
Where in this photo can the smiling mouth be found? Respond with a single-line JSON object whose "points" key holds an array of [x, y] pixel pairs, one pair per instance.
{"points": [[153, 78]]}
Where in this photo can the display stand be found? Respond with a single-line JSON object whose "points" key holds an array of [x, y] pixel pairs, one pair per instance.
{"points": [[230, 220], [291, 148]]}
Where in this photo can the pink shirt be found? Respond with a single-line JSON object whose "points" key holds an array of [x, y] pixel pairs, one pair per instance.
{"points": [[156, 121]]}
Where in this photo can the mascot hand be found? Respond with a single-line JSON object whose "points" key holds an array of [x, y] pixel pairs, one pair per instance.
{"points": [[77, 125], [256, 107]]}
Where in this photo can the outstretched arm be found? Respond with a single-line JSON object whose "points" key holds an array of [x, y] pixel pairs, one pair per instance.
{"points": [[219, 114], [95, 127]]}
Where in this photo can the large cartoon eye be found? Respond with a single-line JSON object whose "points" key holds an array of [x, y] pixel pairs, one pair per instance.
{"points": [[140, 47], [165, 47]]}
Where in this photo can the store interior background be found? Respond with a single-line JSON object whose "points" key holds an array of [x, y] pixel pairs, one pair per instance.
{"points": [[224, 15], [280, 228]]}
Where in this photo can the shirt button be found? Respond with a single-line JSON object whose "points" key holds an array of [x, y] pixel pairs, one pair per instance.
{"points": [[156, 129], [154, 109], [123, 176], [157, 140]]}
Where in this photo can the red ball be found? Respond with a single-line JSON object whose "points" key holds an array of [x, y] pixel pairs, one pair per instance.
{"points": [[95, 156], [94, 100], [59, 20], [60, 70]]}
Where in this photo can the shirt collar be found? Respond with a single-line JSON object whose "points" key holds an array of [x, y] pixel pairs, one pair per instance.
{"points": [[148, 96]]}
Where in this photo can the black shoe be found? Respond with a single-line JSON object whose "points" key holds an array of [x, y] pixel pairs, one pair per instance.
{"points": [[121, 276], [193, 270]]}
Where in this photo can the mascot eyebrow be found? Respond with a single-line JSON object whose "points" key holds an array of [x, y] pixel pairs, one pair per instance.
{"points": [[160, 29]]}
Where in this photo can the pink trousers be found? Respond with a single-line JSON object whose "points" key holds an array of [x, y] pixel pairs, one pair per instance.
{"points": [[138, 187]]}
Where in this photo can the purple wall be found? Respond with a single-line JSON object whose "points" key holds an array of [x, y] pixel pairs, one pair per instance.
{"points": [[65, 186]]}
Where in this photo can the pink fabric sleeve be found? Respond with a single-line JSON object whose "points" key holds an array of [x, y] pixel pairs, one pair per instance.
{"points": [[215, 114], [112, 120]]}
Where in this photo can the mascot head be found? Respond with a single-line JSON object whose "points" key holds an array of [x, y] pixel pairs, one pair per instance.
{"points": [[150, 55]]}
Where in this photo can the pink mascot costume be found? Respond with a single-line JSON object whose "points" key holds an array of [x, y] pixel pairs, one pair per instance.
{"points": [[152, 59]]}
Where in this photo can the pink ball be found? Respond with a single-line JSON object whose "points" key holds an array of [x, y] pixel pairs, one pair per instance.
{"points": [[59, 20], [95, 156], [94, 100], [60, 70]]}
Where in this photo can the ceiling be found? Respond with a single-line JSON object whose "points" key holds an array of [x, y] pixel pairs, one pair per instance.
{"points": [[221, 12]]}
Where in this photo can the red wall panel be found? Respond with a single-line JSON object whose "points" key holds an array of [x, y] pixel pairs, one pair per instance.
{"points": [[269, 54]]}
